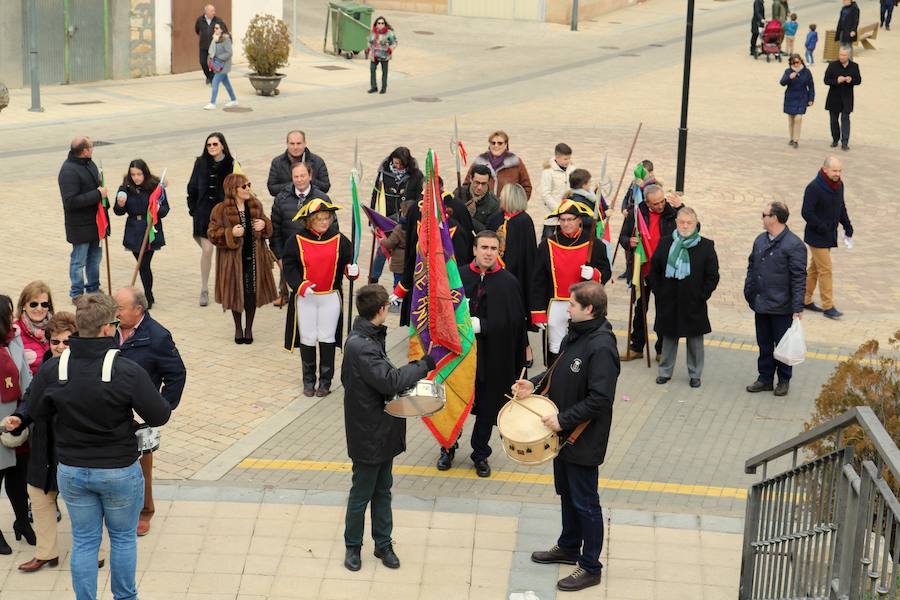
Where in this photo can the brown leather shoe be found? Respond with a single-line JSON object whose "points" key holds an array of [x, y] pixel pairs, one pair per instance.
{"points": [[36, 564], [143, 527], [322, 392], [578, 580], [630, 355]]}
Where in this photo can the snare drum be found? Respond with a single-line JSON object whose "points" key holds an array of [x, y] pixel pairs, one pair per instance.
{"points": [[422, 400], [147, 438], [526, 440]]}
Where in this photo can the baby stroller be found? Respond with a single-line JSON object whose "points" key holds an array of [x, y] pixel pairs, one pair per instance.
{"points": [[772, 36]]}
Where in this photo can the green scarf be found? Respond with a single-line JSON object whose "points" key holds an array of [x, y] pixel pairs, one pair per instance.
{"points": [[679, 263]]}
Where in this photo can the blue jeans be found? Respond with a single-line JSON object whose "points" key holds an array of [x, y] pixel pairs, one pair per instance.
{"points": [[223, 79], [809, 57], [582, 517], [769, 331], [92, 496], [84, 261], [378, 264]]}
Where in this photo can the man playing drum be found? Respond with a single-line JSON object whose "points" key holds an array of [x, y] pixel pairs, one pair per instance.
{"points": [[582, 383], [374, 437], [498, 320]]}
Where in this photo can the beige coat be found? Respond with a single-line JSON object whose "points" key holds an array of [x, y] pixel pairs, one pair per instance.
{"points": [[554, 185]]}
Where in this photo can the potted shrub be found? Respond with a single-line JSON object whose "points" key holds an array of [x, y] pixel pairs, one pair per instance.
{"points": [[267, 46]]}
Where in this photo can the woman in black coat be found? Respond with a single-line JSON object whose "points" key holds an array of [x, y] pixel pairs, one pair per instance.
{"points": [[402, 180], [204, 191], [133, 199], [682, 284], [799, 93]]}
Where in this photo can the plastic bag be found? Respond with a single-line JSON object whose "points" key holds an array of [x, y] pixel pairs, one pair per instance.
{"points": [[791, 350]]}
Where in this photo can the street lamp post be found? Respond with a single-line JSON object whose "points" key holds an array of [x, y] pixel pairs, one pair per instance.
{"points": [[685, 93], [33, 65]]}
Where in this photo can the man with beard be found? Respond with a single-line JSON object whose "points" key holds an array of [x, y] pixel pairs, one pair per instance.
{"points": [[297, 152]]}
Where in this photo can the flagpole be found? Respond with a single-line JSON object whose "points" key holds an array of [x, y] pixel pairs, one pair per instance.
{"points": [[612, 204], [106, 237], [630, 318], [644, 316], [456, 153], [146, 241]]}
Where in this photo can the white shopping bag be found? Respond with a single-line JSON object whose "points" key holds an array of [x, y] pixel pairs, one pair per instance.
{"points": [[791, 350]]}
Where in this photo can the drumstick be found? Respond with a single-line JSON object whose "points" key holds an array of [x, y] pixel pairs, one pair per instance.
{"points": [[525, 406]]}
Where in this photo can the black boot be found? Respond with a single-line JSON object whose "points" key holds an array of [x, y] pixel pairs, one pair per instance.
{"points": [[445, 461], [308, 360], [4, 547], [326, 368]]}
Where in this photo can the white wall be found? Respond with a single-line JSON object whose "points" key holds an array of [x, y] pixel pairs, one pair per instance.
{"points": [[241, 13], [163, 28]]}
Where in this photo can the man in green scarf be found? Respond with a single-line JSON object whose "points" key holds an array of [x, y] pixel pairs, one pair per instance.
{"points": [[684, 272]]}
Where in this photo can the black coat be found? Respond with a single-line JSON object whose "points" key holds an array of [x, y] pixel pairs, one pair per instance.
{"points": [[583, 386], [370, 381], [484, 209], [681, 303], [840, 95], [280, 172], [519, 249], [495, 298], [151, 346], [136, 203], [666, 223], [759, 16], [203, 193], [284, 207], [78, 180], [397, 192], [41, 444], [776, 274], [848, 21], [205, 32], [460, 223], [823, 209]]}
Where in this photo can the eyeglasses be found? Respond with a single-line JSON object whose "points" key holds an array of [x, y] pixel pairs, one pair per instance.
{"points": [[764, 215], [58, 342], [114, 323], [212, 144], [497, 143], [245, 186], [34, 304]]}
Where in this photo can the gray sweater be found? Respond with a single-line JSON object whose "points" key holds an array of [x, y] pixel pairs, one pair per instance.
{"points": [[222, 51]]}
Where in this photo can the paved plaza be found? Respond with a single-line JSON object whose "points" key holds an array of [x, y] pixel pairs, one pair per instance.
{"points": [[252, 476]]}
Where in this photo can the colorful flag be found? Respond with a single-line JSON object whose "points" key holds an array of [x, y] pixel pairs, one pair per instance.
{"points": [[356, 230], [642, 233], [462, 152], [102, 217], [381, 199], [156, 198], [382, 226], [440, 324]]}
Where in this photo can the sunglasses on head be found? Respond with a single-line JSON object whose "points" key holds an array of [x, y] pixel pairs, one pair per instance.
{"points": [[54, 342], [34, 304]]}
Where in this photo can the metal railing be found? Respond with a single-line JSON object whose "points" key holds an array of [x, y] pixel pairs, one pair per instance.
{"points": [[821, 530]]}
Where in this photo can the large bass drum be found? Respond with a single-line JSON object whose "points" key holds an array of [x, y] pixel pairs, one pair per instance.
{"points": [[422, 400], [526, 440]]}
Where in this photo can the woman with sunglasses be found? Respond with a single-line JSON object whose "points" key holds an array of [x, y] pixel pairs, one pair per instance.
{"points": [[33, 311], [799, 94], [204, 191], [382, 42], [15, 377], [505, 166], [239, 229], [133, 199]]}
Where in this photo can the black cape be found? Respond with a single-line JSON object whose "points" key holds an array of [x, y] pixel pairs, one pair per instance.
{"points": [[495, 298], [519, 248]]}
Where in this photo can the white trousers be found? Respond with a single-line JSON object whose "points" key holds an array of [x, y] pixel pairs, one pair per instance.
{"points": [[557, 324], [317, 317]]}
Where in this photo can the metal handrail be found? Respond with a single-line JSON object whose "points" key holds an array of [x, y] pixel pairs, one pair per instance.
{"points": [[863, 416]]}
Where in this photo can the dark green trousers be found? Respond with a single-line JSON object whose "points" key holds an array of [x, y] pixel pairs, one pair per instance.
{"points": [[371, 483]]}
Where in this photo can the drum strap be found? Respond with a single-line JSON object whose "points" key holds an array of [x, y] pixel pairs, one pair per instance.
{"points": [[576, 433], [105, 373]]}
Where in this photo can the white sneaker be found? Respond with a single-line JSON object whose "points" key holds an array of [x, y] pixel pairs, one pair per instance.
{"points": [[210, 106], [232, 103]]}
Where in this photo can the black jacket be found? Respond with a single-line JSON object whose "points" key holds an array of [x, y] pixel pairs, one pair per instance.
{"points": [[848, 21], [152, 347], [78, 180], [666, 223], [759, 16], [280, 172], [41, 444], [370, 381], [840, 95], [397, 192], [486, 208], [92, 420], [681, 303], [284, 208], [583, 386], [776, 274], [204, 189], [136, 203], [206, 31], [823, 209]]}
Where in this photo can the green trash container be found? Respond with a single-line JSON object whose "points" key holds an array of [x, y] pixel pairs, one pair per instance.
{"points": [[350, 25]]}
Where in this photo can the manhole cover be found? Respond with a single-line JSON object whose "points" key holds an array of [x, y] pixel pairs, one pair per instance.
{"points": [[608, 47], [426, 99], [331, 68], [238, 109], [495, 47], [82, 103], [424, 32]]}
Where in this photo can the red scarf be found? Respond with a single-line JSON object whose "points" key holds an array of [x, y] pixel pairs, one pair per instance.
{"points": [[834, 185]]}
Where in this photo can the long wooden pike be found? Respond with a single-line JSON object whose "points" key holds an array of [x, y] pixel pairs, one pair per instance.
{"points": [[454, 148], [355, 181], [612, 204], [106, 238], [137, 267]]}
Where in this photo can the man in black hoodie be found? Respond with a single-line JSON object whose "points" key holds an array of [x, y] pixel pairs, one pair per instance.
{"points": [[582, 383], [79, 186], [89, 394]]}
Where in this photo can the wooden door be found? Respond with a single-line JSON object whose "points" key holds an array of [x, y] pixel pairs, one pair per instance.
{"points": [[185, 44]]}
